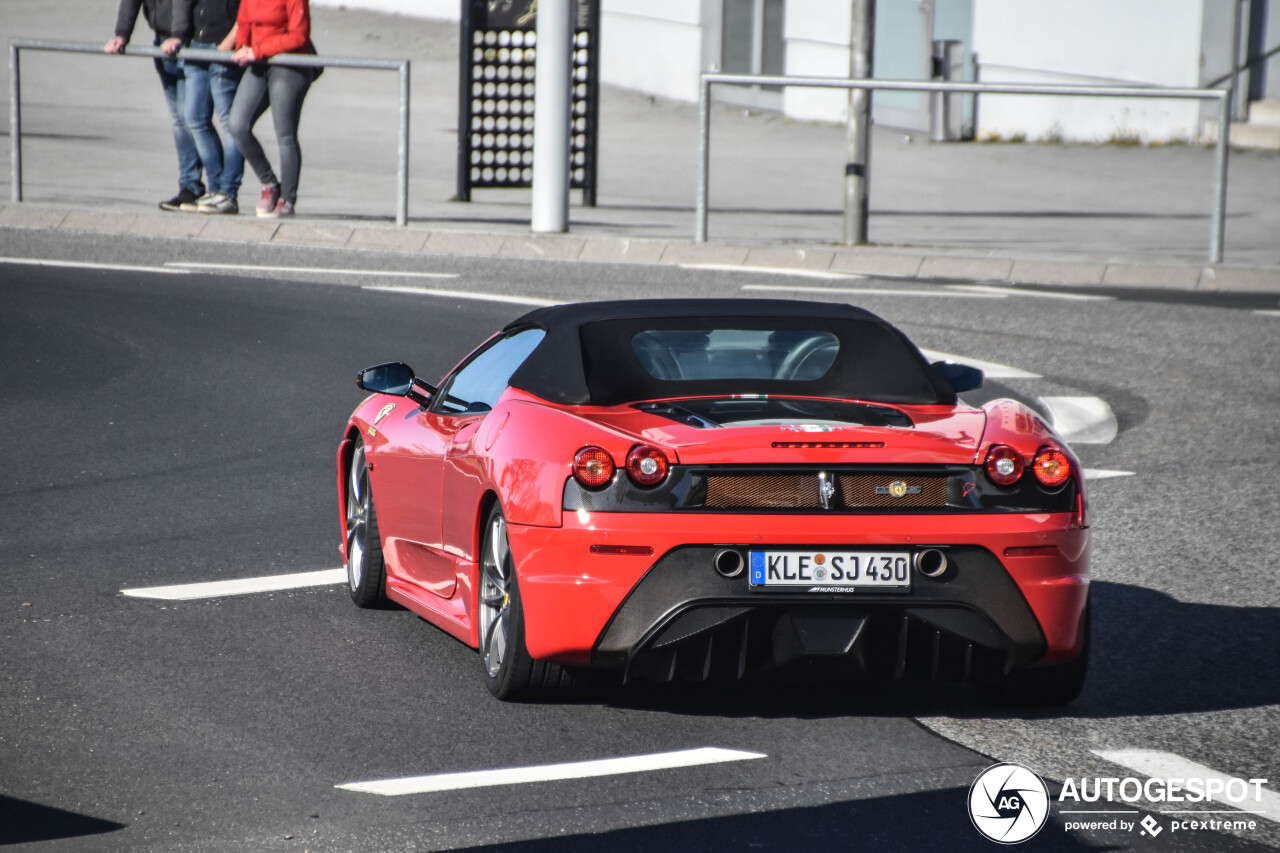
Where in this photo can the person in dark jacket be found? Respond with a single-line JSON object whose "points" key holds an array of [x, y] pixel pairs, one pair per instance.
{"points": [[159, 14], [210, 89]]}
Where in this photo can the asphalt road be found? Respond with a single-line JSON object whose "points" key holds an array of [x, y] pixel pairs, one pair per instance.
{"points": [[173, 424]]}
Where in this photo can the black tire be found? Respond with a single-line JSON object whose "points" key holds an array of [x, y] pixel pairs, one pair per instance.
{"points": [[366, 570], [1045, 686], [509, 672]]}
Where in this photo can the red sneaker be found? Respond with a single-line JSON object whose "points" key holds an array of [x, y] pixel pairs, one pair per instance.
{"points": [[282, 208], [269, 199]]}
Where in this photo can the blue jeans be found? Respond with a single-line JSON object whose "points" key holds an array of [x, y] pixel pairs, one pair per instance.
{"points": [[210, 89], [173, 79]]}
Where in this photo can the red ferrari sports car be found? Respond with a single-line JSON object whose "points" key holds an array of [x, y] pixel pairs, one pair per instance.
{"points": [[719, 489]]}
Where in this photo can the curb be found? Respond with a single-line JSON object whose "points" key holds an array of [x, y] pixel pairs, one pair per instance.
{"points": [[943, 265]]}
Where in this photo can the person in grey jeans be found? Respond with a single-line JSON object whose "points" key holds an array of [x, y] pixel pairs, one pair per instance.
{"points": [[265, 28]]}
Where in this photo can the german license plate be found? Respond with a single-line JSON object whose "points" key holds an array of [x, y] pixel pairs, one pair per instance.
{"points": [[830, 571]]}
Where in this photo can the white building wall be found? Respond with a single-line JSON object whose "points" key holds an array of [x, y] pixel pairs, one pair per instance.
{"points": [[1097, 42], [817, 35], [655, 46]]}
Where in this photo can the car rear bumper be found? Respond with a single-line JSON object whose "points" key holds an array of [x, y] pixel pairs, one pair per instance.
{"points": [[671, 615]]}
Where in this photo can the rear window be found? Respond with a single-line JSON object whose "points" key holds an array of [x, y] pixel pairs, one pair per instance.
{"points": [[793, 355]]}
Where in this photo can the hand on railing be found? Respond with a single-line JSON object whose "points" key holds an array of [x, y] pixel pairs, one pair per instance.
{"points": [[115, 45]]}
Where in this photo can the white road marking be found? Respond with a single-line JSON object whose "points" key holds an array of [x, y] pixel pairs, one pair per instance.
{"points": [[465, 294], [550, 772], [875, 291], [1266, 312], [85, 265], [796, 271], [218, 589], [1081, 420], [990, 369], [1042, 294], [189, 266], [1104, 474], [1166, 765]]}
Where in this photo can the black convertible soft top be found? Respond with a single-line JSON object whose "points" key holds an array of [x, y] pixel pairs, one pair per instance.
{"points": [[586, 357]]}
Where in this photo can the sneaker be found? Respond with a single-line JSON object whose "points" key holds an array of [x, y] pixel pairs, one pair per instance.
{"points": [[270, 198], [184, 197], [218, 203], [193, 206], [283, 208]]}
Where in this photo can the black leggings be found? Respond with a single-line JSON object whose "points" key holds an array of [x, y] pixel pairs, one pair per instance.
{"points": [[282, 89]]}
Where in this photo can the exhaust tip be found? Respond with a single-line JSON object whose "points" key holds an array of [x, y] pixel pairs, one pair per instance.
{"points": [[728, 563], [931, 562]]}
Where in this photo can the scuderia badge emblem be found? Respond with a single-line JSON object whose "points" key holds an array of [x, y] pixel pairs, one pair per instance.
{"points": [[898, 489], [1008, 803]]}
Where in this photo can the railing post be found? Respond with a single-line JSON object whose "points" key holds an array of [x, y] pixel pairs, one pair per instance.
{"points": [[402, 154], [15, 125], [1218, 236], [704, 159]]}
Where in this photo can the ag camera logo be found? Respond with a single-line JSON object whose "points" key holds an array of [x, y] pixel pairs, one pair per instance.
{"points": [[1008, 803]]}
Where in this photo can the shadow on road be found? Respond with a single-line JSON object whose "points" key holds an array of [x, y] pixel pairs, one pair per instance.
{"points": [[1152, 655], [22, 822], [932, 820]]}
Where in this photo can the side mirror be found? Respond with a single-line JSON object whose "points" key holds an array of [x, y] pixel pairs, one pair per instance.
{"points": [[961, 377], [397, 379]]}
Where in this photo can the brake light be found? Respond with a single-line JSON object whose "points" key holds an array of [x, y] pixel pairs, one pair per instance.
{"points": [[1052, 467], [593, 467], [1004, 465], [646, 465]]}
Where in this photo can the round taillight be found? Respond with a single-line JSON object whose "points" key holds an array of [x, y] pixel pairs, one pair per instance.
{"points": [[647, 465], [1004, 465], [593, 467], [1052, 467]]}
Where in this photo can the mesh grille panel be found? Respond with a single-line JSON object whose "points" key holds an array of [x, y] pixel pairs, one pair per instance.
{"points": [[800, 491], [763, 490], [859, 490]]}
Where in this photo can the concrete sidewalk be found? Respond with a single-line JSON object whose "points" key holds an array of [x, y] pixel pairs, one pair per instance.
{"points": [[98, 156]]}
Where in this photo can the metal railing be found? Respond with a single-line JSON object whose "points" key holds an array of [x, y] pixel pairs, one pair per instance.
{"points": [[292, 60], [1222, 96]]}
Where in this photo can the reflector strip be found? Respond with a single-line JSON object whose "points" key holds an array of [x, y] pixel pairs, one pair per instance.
{"points": [[1032, 551], [623, 550], [550, 772]]}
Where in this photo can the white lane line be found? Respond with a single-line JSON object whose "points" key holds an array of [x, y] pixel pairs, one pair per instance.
{"points": [[85, 265], [1166, 765], [1041, 294], [465, 294], [1081, 420], [990, 369], [874, 291], [189, 266], [550, 772], [796, 271], [1266, 312], [1105, 474], [218, 589]]}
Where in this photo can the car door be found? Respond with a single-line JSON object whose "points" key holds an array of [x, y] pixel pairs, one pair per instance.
{"points": [[466, 401]]}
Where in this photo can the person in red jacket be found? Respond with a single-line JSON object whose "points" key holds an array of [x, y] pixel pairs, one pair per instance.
{"points": [[265, 28]]}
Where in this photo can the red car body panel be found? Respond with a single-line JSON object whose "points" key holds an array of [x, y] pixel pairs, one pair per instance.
{"points": [[523, 448]]}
